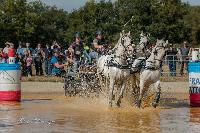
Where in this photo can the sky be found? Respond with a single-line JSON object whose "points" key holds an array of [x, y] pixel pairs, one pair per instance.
{"points": [[69, 5]]}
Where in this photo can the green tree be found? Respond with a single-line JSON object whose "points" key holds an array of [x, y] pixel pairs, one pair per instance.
{"points": [[192, 21], [161, 19]]}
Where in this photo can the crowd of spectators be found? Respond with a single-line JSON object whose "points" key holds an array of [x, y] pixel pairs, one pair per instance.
{"points": [[178, 56], [29, 57], [51, 59]]}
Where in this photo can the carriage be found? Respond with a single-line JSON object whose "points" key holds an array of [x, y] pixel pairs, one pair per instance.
{"points": [[86, 81], [83, 83]]}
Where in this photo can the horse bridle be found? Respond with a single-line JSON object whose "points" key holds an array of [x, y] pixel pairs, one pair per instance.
{"points": [[122, 43], [122, 56], [156, 51]]}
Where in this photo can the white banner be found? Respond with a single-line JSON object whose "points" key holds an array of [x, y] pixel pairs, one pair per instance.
{"points": [[10, 77], [194, 82]]}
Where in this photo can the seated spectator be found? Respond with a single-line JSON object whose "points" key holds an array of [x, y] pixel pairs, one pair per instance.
{"points": [[58, 66]]}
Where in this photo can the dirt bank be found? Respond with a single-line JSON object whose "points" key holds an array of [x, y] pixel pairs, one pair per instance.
{"points": [[53, 87]]}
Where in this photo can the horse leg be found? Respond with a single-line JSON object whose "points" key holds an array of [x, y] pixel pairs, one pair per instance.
{"points": [[111, 95], [100, 80], [121, 94], [141, 94], [134, 85], [157, 97]]}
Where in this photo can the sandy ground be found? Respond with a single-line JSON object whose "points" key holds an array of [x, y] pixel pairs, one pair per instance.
{"points": [[53, 87]]}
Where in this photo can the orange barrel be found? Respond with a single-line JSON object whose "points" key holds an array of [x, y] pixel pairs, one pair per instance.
{"points": [[10, 82], [194, 83]]}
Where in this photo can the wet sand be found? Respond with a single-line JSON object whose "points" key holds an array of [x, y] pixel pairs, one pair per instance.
{"points": [[175, 87], [45, 109]]}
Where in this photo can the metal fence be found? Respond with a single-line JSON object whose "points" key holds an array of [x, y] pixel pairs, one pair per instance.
{"points": [[174, 65]]}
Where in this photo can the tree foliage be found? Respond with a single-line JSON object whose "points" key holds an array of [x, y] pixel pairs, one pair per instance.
{"points": [[36, 22], [192, 21]]}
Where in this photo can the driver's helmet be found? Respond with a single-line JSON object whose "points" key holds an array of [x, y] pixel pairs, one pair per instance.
{"points": [[99, 32], [77, 35]]}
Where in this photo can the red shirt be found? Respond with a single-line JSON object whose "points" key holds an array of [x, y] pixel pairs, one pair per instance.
{"points": [[11, 52]]}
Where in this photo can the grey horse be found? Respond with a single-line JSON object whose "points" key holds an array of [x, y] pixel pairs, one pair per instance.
{"points": [[117, 70]]}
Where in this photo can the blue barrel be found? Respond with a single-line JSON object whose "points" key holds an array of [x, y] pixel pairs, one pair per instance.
{"points": [[10, 82], [194, 83]]}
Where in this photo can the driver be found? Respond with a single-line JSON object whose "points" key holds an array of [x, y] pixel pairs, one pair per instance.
{"points": [[78, 49], [99, 45]]}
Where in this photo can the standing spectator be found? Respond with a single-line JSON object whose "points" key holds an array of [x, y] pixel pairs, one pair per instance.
{"points": [[28, 63], [55, 45], [20, 50], [2, 57], [5, 50], [172, 59], [22, 60], [184, 51], [47, 59], [38, 59], [30, 50]]}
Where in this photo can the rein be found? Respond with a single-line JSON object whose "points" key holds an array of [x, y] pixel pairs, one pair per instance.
{"points": [[113, 62], [153, 61]]}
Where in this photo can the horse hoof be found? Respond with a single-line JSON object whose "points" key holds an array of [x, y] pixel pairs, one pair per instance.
{"points": [[118, 103], [154, 105], [113, 97], [139, 104], [110, 104]]}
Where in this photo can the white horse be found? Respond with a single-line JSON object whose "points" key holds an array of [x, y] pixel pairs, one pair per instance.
{"points": [[118, 72], [141, 52], [143, 40], [151, 73]]}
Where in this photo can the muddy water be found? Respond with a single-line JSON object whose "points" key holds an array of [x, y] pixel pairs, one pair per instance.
{"points": [[53, 113]]}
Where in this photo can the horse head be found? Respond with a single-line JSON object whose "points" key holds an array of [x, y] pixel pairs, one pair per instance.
{"points": [[161, 43], [124, 42], [143, 41], [160, 48]]}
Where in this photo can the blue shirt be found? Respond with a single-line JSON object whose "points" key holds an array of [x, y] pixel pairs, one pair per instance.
{"points": [[54, 60], [48, 52], [55, 70], [20, 51]]}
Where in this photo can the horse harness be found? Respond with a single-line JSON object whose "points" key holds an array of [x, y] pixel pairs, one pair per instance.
{"points": [[160, 60], [113, 63]]}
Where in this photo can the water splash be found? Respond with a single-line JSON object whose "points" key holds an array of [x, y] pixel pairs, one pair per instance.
{"points": [[23, 120]]}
